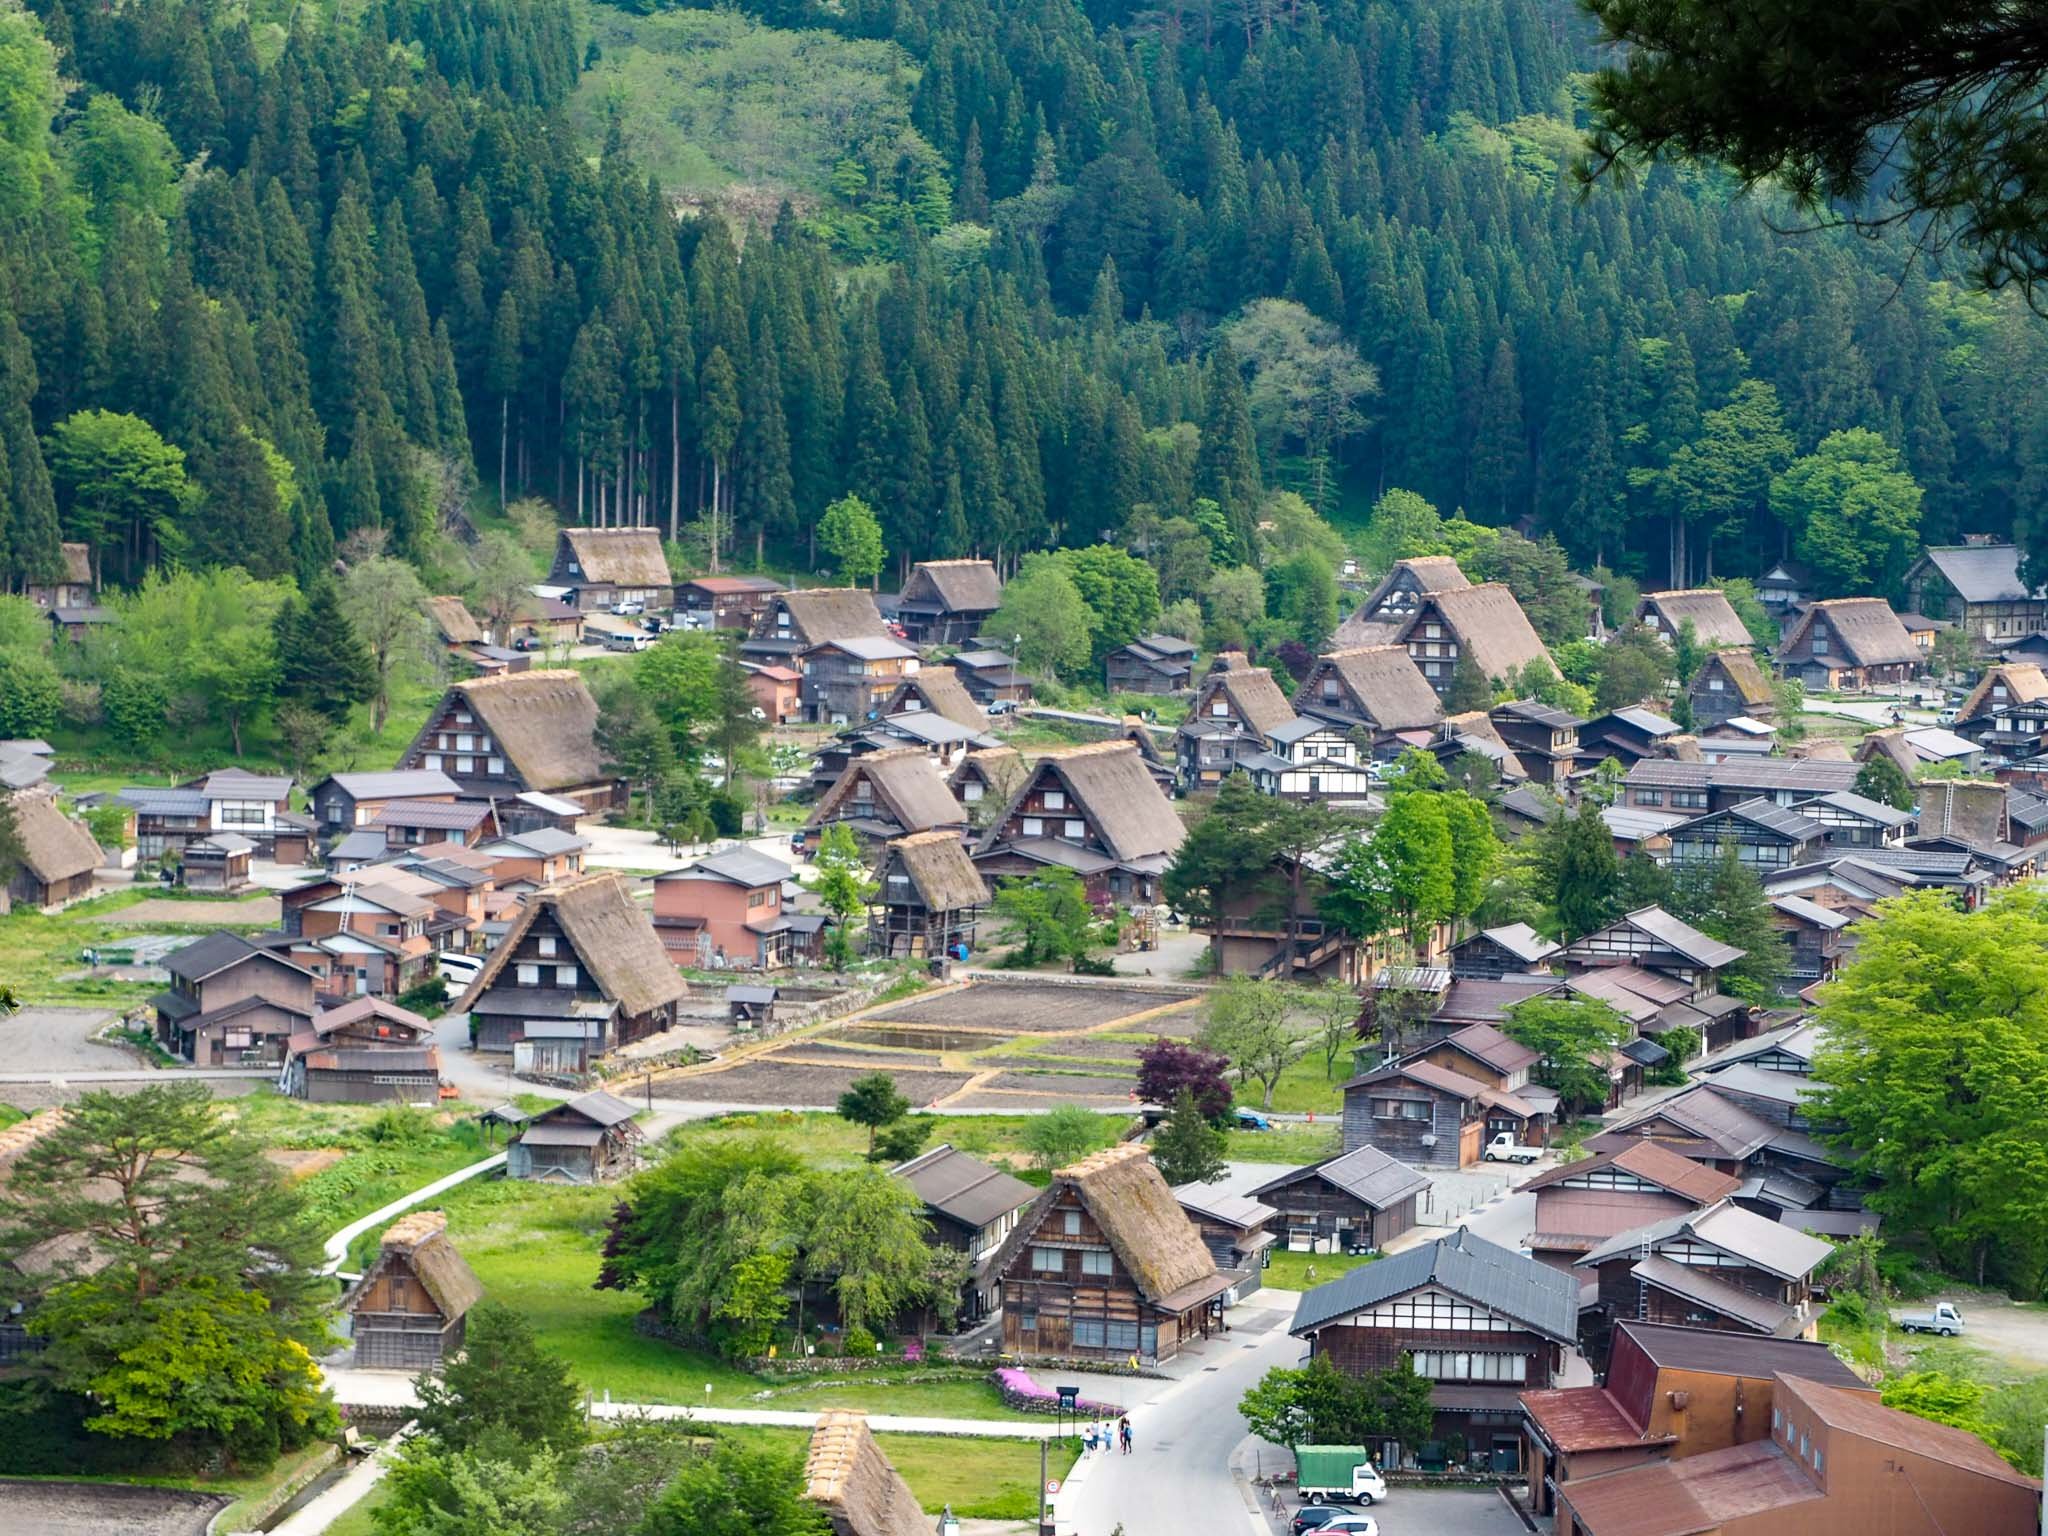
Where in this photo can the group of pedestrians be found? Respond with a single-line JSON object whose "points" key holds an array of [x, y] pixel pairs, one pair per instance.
{"points": [[1105, 1436]]}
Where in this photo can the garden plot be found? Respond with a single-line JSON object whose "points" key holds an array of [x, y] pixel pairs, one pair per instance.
{"points": [[1029, 1010], [1113, 1054], [765, 1080], [919, 1038], [854, 1056], [1061, 1087]]}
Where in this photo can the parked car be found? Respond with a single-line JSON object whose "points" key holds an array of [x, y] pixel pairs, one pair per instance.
{"points": [[1349, 1524], [1505, 1149], [1002, 707], [1946, 1319], [1252, 1120], [627, 641], [1311, 1517], [458, 970], [629, 607]]}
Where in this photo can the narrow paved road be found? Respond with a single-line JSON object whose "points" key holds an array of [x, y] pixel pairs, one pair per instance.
{"points": [[1178, 1477]]}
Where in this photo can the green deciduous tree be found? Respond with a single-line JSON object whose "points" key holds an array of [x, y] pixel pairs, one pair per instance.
{"points": [[866, 1235], [123, 488], [850, 533], [434, 1491], [503, 1386], [1572, 1037], [1884, 781], [1063, 1135], [845, 885], [1048, 917], [1250, 1023], [873, 1102], [1855, 513], [1044, 619], [737, 1490], [1120, 592], [1724, 897], [384, 601]]}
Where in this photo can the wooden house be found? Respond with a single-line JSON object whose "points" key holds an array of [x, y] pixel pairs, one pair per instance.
{"points": [[1374, 688], [1745, 1129], [724, 602], [936, 691], [1520, 1106], [2007, 712], [1849, 643], [929, 898], [1580, 1205], [1715, 623], [374, 931], [1428, 1115], [1730, 684], [455, 624], [231, 1003], [579, 973], [1669, 1393], [1661, 784], [1249, 934], [1785, 588], [1543, 739], [217, 863], [984, 780], [1378, 619], [1629, 736], [972, 1206], [367, 1051], [993, 678], [73, 587], [500, 736], [850, 679], [1482, 628], [542, 856], [794, 622], [167, 821], [342, 802], [1473, 734], [74, 624], [1237, 706], [1816, 936], [411, 823], [1482, 1323], [1356, 1202], [58, 855], [1237, 1230], [532, 809], [1977, 587], [545, 623], [605, 569], [1096, 810], [1653, 939], [24, 763], [1764, 835], [1151, 664], [725, 910], [1105, 1265], [946, 602], [1718, 1267], [1514, 949], [409, 1310], [849, 1478], [588, 1140], [1308, 758], [885, 795]]}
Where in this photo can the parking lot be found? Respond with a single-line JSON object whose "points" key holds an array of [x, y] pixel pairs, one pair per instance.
{"points": [[59, 1040]]}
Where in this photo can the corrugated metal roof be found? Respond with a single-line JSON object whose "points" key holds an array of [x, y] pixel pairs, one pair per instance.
{"points": [[1365, 1173], [1542, 1299], [1692, 1495]]}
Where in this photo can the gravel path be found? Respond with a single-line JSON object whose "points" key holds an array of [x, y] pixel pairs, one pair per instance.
{"points": [[38, 1040]]}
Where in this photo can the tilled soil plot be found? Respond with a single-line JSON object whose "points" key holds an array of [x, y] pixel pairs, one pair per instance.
{"points": [[1093, 1048], [1028, 1010], [854, 1056], [764, 1080], [1063, 1085], [104, 1509]]}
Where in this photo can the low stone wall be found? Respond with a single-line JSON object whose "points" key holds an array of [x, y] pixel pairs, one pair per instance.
{"points": [[256, 1516], [1049, 1407]]}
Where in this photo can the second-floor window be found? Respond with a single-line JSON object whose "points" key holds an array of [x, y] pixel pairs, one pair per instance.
{"points": [[565, 975], [546, 945], [1400, 1109], [529, 975], [1463, 1365], [1034, 826], [1055, 800]]}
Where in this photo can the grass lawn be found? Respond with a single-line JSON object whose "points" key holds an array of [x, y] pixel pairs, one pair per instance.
{"points": [[980, 1479], [1285, 1143], [822, 1137], [1290, 1271], [35, 950], [1303, 1087]]}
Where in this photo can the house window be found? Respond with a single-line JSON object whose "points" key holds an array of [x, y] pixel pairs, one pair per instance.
{"points": [[565, 975], [1693, 799], [1027, 1322], [463, 717], [1122, 1337], [1220, 708], [433, 761], [1070, 1223], [1432, 631], [1329, 690], [1055, 800], [529, 975], [1400, 1109], [1820, 643], [1076, 829], [242, 815], [1714, 685], [546, 945], [1049, 1261], [1034, 826], [465, 742], [1088, 1333], [970, 792], [497, 765], [1649, 797], [465, 764], [1095, 1261]]}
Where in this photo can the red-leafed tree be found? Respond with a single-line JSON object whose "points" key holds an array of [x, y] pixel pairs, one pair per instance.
{"points": [[1169, 1068]]}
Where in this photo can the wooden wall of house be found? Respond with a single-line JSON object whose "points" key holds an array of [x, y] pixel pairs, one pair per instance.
{"points": [[396, 1289], [1312, 1205], [337, 1087], [1456, 1142], [1357, 1350], [1055, 1301]]}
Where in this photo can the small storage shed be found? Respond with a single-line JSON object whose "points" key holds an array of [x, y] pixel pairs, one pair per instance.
{"points": [[749, 1007], [408, 1310], [217, 863], [588, 1140]]}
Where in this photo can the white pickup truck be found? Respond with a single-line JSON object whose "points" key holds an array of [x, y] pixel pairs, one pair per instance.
{"points": [[1945, 1320], [1505, 1149]]}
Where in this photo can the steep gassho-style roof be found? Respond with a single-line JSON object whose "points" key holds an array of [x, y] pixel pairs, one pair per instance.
{"points": [[1984, 573], [1116, 791], [421, 1239], [942, 692], [1491, 629], [1542, 1299], [1142, 1221], [613, 939], [1251, 690], [2024, 683], [1870, 633], [1365, 1173], [860, 1492], [905, 782], [819, 614], [619, 557], [53, 846], [940, 870], [1430, 573], [964, 1188], [1383, 681], [544, 724], [452, 617], [1751, 686], [1707, 609], [961, 586]]}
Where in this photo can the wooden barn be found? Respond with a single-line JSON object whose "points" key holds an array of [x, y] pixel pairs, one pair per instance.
{"points": [[930, 897], [1105, 1265], [367, 1051], [1354, 1203], [408, 1311], [589, 1140], [58, 855]]}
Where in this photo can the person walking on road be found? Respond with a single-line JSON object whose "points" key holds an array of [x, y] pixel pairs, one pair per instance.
{"points": [[1123, 1430]]}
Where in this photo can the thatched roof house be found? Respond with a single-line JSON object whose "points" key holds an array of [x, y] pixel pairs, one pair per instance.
{"points": [[1714, 621], [930, 892], [815, 615], [498, 737], [1097, 810], [849, 1477], [1475, 732], [605, 565], [1731, 683], [1379, 618], [58, 855], [409, 1309], [1106, 1263], [939, 691], [1849, 642], [458, 626], [1378, 686], [888, 794], [1248, 693], [983, 781], [1481, 626], [946, 601], [2003, 687]]}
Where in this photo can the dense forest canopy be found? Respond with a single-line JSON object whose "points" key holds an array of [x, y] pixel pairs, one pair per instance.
{"points": [[1121, 273]]}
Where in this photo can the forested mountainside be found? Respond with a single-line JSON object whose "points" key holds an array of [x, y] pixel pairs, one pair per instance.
{"points": [[346, 265]]}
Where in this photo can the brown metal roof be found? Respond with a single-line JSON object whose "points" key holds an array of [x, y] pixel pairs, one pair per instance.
{"points": [[1713, 1352], [1585, 1419], [1691, 1496], [1860, 1413]]}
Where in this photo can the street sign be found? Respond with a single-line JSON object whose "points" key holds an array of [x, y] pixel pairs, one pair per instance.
{"points": [[1052, 1485], [1068, 1394]]}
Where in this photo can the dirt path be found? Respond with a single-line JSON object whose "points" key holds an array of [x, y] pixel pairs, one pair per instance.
{"points": [[262, 912], [1998, 1326]]}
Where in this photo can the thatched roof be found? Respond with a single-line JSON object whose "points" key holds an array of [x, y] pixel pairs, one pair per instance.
{"points": [[53, 846], [457, 624], [77, 564], [419, 1239], [1713, 618], [961, 586], [1869, 633], [619, 557], [999, 769], [1254, 696], [938, 866], [614, 942], [1745, 675], [905, 783], [1384, 685], [1117, 793], [544, 722], [1142, 1221], [943, 694], [818, 614], [1368, 625], [1491, 630], [2023, 682], [862, 1494]]}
